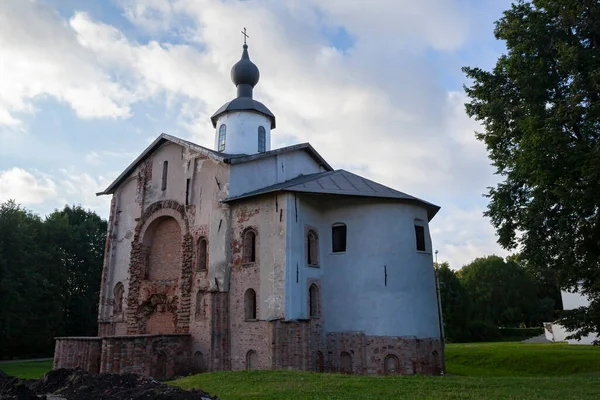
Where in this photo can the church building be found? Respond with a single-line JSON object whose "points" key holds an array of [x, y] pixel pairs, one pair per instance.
{"points": [[241, 256]]}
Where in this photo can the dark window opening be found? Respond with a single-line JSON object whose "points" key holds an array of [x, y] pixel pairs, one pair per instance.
{"points": [[420, 234], [250, 304], [338, 233], [262, 139], [164, 175], [249, 246], [187, 191]]}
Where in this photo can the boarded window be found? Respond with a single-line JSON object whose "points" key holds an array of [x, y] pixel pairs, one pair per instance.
{"points": [[251, 360], [249, 254], [338, 233], [345, 363], [201, 262], [222, 135], [250, 304], [118, 298], [313, 300], [262, 139], [165, 172], [391, 365], [312, 248], [200, 302], [420, 236]]}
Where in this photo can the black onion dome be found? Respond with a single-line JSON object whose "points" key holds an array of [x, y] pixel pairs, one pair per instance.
{"points": [[245, 72]]}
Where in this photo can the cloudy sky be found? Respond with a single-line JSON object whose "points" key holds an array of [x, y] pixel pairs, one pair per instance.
{"points": [[375, 86]]}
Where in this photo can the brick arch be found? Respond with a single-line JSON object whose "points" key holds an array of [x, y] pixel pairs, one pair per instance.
{"points": [[137, 308]]}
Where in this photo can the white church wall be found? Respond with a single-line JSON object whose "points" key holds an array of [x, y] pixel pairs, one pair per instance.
{"points": [[354, 292], [242, 132], [300, 274], [249, 176], [175, 188]]}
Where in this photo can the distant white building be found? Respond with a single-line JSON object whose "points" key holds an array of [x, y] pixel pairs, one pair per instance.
{"points": [[558, 333]]}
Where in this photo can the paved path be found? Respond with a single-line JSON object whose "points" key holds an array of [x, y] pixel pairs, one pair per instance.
{"points": [[18, 361]]}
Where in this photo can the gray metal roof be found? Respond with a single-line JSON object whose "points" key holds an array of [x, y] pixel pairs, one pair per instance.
{"points": [[243, 104], [340, 182]]}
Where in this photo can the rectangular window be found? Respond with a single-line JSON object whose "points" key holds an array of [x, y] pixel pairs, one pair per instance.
{"points": [[164, 175], [338, 234], [187, 191], [420, 235]]}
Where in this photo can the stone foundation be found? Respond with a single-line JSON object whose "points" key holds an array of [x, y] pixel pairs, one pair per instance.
{"points": [[160, 356]]}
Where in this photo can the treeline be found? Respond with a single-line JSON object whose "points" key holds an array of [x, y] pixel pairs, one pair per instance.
{"points": [[50, 271], [487, 298]]}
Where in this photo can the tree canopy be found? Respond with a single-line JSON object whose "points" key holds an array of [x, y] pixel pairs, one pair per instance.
{"points": [[540, 110], [50, 273]]}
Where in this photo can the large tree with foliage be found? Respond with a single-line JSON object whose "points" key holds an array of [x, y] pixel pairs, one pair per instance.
{"points": [[540, 107], [49, 277]]}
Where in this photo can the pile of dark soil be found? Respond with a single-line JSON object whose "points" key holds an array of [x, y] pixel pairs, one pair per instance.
{"points": [[76, 384]]}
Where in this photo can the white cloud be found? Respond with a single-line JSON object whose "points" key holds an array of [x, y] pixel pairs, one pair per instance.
{"points": [[382, 101], [25, 187], [41, 57]]}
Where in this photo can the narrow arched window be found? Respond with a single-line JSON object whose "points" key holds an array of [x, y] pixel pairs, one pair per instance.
{"points": [[222, 137], [165, 171], [199, 362], [391, 365], [262, 139], [313, 301], [312, 248], [118, 298], [250, 304], [249, 250], [202, 260], [338, 238]]}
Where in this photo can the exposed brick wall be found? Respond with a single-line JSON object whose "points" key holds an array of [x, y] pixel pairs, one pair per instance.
{"points": [[164, 260], [147, 297], [415, 356], [160, 356], [78, 353]]}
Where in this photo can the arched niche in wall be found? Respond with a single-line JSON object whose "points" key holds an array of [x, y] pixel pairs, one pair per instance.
{"points": [[162, 241]]}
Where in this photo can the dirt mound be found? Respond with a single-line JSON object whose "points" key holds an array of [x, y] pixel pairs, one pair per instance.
{"points": [[78, 384]]}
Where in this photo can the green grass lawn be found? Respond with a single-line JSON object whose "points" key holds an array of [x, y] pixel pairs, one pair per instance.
{"points": [[490, 371], [26, 369]]}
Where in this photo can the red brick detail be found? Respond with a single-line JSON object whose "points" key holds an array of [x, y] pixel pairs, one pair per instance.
{"points": [[78, 353], [415, 356], [164, 242], [172, 295]]}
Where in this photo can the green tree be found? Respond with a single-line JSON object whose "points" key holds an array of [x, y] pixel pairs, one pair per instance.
{"points": [[502, 292], [455, 305], [50, 273], [76, 240], [540, 107]]}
